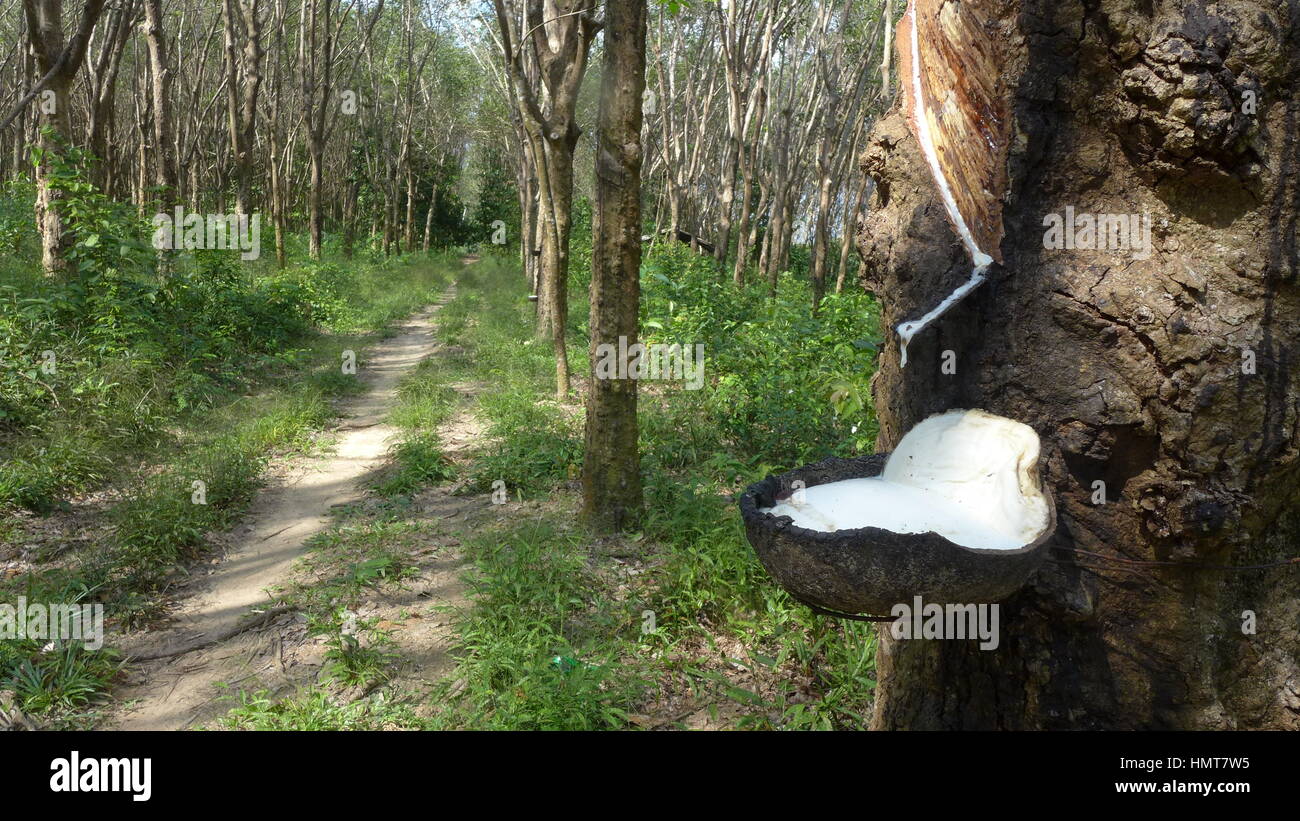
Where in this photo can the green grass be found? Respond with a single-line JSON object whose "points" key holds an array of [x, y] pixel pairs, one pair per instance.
{"points": [[316, 710], [416, 461], [365, 550], [357, 553], [159, 428], [541, 646], [59, 682], [557, 636], [215, 332], [162, 522], [780, 389], [550, 642]]}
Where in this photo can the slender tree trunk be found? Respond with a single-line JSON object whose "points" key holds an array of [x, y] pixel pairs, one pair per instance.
{"points": [[103, 71], [314, 216], [888, 52], [58, 63], [162, 153], [744, 240], [277, 203], [822, 228], [1164, 384], [851, 211], [350, 219], [408, 237], [557, 219], [428, 220], [243, 81], [527, 218], [560, 44], [611, 471]]}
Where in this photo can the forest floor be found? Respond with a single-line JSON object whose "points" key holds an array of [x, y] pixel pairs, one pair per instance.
{"points": [[431, 570], [236, 623], [464, 592]]}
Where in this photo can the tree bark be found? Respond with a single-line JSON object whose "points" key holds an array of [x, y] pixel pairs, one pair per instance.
{"points": [[58, 64], [852, 208], [556, 188], [1169, 379], [243, 81], [560, 43], [611, 470], [102, 91]]}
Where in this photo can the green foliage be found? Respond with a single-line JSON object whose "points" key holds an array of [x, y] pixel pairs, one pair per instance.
{"points": [[534, 445], [105, 237], [316, 710], [550, 642], [16, 227], [545, 645], [60, 679], [423, 402], [160, 523], [64, 679], [498, 199], [356, 554], [419, 462], [781, 381], [100, 361], [530, 662], [355, 653]]}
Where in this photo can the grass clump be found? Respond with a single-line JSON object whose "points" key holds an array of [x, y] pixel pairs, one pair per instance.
{"points": [[539, 648], [317, 711]]}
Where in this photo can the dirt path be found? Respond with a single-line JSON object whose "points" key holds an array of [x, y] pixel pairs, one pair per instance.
{"points": [[178, 692]]}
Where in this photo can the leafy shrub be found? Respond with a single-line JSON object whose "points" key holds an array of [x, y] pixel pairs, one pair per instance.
{"points": [[102, 360], [779, 378]]}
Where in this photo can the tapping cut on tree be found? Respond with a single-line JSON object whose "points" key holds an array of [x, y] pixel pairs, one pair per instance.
{"points": [[950, 70]]}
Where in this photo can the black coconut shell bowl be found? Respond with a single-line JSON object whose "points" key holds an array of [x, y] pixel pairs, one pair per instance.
{"points": [[868, 570]]}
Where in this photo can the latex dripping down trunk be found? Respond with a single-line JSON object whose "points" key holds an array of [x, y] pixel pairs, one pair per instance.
{"points": [[952, 94]]}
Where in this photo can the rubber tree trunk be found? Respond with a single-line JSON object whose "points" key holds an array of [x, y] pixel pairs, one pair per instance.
{"points": [[55, 239], [58, 60], [160, 76], [611, 472], [315, 219], [1166, 382], [555, 180]]}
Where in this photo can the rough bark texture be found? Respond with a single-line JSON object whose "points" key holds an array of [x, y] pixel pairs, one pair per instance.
{"points": [[1131, 370], [243, 80], [611, 472], [159, 81], [58, 61], [560, 41], [557, 223]]}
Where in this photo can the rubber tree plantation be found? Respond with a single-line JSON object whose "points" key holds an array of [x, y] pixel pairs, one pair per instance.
{"points": [[643, 365]]}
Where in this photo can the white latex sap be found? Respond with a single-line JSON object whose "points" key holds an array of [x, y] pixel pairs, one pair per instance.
{"points": [[907, 330], [969, 476]]}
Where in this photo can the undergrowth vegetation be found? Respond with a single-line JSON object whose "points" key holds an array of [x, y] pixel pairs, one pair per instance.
{"points": [[554, 640], [159, 387], [211, 368], [570, 631]]}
